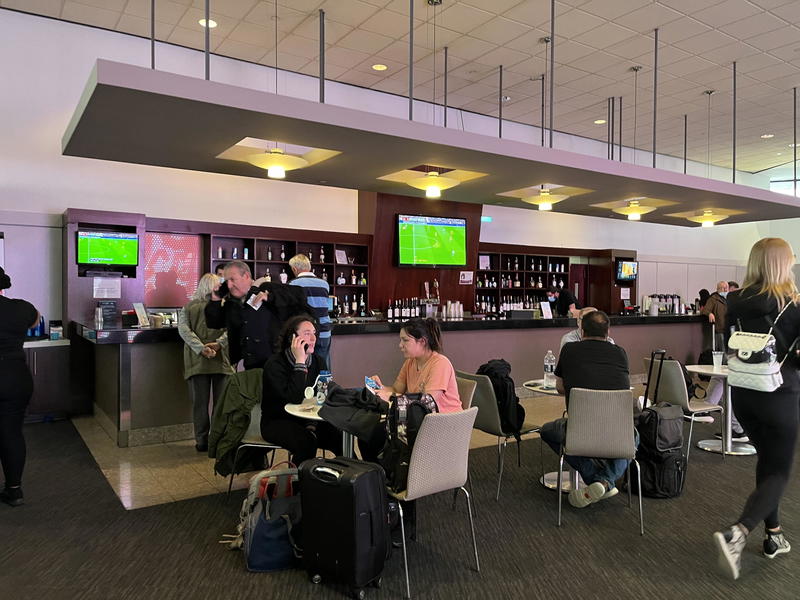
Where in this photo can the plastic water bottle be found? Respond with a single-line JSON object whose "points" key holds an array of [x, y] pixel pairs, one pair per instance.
{"points": [[549, 370]]}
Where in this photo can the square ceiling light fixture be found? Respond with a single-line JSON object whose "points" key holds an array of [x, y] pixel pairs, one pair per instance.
{"points": [[707, 217], [545, 195], [635, 207], [432, 178], [276, 158]]}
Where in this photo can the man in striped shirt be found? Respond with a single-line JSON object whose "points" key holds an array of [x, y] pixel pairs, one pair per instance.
{"points": [[317, 291]]}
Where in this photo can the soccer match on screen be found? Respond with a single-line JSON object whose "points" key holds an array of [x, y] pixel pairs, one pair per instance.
{"points": [[432, 240]]}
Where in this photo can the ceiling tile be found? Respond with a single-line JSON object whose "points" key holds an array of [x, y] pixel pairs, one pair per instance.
{"points": [[398, 51], [463, 18], [790, 52], [234, 9], [689, 6], [648, 18], [364, 41], [424, 36], [576, 22], [90, 15], [596, 62], [789, 11], [470, 48], [783, 71], [534, 13], [300, 46], [754, 25], [304, 6], [604, 36], [141, 27], [529, 42], [115, 5], [358, 78], [632, 47], [334, 31], [725, 55], [681, 29], [263, 14], [331, 71], [191, 20], [241, 50], [589, 83], [250, 33], [503, 56], [688, 65], [352, 12], [387, 22], [755, 62], [499, 31], [48, 8], [613, 9], [191, 38], [166, 11], [345, 57], [726, 12], [775, 39], [704, 42]]}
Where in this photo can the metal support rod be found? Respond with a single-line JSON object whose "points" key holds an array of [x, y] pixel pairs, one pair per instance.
{"points": [[321, 56], [613, 130], [733, 170], [552, 62], [608, 128], [410, 60], [500, 104], [543, 108], [794, 144], [655, 93], [445, 86], [620, 129], [152, 34], [208, 41], [685, 139]]}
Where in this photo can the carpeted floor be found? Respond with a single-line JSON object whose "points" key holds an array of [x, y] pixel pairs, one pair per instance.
{"points": [[74, 540]]}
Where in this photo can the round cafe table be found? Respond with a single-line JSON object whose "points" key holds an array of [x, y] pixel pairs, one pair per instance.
{"points": [[715, 445], [310, 410], [569, 478]]}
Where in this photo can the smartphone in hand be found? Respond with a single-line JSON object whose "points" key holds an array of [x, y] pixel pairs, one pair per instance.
{"points": [[371, 384], [223, 290]]}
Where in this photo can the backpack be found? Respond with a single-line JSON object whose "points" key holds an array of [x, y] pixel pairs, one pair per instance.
{"points": [[660, 455], [268, 521], [405, 417], [512, 414], [755, 366]]}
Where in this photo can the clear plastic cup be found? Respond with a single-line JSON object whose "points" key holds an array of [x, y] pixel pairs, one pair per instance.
{"points": [[716, 357]]}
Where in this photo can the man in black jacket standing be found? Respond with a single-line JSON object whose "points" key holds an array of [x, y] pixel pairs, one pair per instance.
{"points": [[252, 314]]}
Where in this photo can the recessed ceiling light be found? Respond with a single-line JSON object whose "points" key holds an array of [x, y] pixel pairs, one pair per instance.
{"points": [[600, 122], [767, 136], [379, 67], [211, 23], [505, 98]]}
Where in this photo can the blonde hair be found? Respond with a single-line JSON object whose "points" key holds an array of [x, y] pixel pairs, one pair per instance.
{"points": [[205, 286], [769, 270], [300, 263]]}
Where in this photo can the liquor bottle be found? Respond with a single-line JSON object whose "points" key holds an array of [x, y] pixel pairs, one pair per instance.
{"points": [[539, 283], [494, 282], [269, 252], [389, 313], [561, 282], [235, 254], [324, 275], [267, 276], [310, 255], [362, 306], [322, 254], [340, 280], [508, 264], [283, 276], [219, 252], [346, 305], [283, 252], [246, 253], [479, 283], [554, 283], [353, 277], [516, 263], [362, 280], [516, 281]]}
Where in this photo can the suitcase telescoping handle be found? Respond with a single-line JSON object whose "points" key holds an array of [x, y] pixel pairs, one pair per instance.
{"points": [[662, 354], [326, 473]]}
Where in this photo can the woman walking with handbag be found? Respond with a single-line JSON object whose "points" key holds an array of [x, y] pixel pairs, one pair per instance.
{"points": [[769, 417]]}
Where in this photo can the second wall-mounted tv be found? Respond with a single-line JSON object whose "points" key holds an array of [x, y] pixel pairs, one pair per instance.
{"points": [[627, 270], [108, 248], [431, 241]]}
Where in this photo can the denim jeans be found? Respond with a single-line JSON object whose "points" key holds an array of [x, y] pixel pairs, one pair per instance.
{"points": [[591, 470], [322, 349]]}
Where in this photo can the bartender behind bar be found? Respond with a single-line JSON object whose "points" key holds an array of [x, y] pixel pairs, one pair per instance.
{"points": [[562, 301]]}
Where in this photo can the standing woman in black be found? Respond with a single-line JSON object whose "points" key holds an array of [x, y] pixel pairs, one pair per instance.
{"points": [[770, 419], [16, 387]]}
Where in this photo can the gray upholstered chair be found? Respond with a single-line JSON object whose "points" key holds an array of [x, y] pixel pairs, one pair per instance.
{"points": [[672, 389], [466, 390], [488, 421], [252, 439], [600, 425], [439, 462]]}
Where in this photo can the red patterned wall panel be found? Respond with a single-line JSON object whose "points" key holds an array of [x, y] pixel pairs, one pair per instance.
{"points": [[171, 268]]}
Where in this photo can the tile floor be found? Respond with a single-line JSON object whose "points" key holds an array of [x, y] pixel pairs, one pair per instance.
{"points": [[160, 473]]}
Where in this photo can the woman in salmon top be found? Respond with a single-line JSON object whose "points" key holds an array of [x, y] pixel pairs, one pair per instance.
{"points": [[425, 369]]}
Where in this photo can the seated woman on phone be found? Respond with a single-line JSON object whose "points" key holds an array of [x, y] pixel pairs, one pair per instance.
{"points": [[287, 374]]}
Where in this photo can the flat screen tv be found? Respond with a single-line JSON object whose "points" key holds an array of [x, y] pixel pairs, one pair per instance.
{"points": [[108, 248], [431, 241], [627, 270]]}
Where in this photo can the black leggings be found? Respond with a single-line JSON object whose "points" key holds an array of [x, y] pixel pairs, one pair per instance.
{"points": [[16, 387], [770, 420]]}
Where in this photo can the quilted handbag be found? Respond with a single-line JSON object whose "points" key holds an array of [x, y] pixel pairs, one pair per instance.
{"points": [[755, 364]]}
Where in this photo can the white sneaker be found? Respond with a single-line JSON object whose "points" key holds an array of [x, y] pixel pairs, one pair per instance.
{"points": [[583, 497], [610, 493], [699, 418], [775, 543], [730, 545]]}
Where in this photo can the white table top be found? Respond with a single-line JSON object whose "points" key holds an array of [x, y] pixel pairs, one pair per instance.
{"points": [[535, 385], [708, 370], [305, 410]]}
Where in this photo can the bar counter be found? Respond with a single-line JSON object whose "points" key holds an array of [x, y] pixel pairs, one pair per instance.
{"points": [[141, 396]]}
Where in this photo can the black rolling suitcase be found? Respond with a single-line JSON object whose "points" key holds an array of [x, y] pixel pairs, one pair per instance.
{"points": [[346, 535]]}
